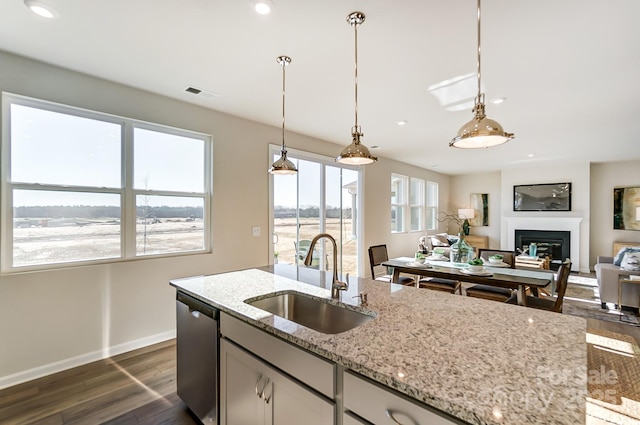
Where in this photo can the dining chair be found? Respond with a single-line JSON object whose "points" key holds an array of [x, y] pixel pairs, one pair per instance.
{"points": [[302, 248], [550, 303], [378, 255], [439, 284], [489, 292]]}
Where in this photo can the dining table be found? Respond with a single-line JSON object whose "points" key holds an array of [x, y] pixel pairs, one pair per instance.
{"points": [[505, 277]]}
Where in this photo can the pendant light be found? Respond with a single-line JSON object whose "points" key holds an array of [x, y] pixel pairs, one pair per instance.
{"points": [[283, 165], [480, 132], [356, 153]]}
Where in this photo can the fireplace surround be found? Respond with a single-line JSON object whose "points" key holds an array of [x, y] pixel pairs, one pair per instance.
{"points": [[570, 224]]}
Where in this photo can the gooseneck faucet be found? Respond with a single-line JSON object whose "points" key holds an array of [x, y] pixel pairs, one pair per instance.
{"points": [[336, 285]]}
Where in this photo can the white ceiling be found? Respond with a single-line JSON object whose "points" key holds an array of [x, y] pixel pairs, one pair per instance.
{"points": [[568, 68]]}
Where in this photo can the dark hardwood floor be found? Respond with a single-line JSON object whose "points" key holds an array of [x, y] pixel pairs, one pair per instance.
{"points": [[138, 387]]}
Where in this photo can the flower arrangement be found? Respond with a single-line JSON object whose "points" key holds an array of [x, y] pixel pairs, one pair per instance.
{"points": [[460, 251]]}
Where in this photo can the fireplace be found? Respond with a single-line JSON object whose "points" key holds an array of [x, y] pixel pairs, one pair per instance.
{"points": [[553, 243], [551, 222]]}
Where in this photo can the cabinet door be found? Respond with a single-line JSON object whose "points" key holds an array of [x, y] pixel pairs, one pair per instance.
{"points": [[293, 404], [242, 383], [253, 393]]}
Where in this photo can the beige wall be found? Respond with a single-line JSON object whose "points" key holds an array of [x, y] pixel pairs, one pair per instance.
{"points": [[53, 320], [461, 189], [604, 177], [57, 319], [378, 210]]}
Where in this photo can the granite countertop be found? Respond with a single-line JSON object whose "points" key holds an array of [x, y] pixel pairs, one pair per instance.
{"points": [[482, 362]]}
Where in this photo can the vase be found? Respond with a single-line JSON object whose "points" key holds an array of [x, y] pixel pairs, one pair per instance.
{"points": [[460, 251]]}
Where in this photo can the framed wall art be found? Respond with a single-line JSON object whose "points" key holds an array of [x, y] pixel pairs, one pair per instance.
{"points": [[542, 197], [480, 203], [626, 208]]}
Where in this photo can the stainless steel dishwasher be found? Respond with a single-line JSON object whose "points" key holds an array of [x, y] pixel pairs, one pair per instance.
{"points": [[197, 357]]}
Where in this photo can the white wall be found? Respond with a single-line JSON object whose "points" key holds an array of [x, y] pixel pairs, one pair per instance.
{"points": [[604, 177], [499, 186], [578, 174]]}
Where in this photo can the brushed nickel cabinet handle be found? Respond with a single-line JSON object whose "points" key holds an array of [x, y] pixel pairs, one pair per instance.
{"points": [[267, 398], [390, 414], [260, 391]]}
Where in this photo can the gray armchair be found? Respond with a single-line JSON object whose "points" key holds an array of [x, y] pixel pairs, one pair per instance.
{"points": [[608, 275]]}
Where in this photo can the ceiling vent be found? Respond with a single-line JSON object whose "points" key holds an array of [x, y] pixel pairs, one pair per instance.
{"points": [[200, 92]]}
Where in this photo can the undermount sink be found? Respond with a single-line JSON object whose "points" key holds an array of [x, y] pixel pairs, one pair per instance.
{"points": [[314, 313]]}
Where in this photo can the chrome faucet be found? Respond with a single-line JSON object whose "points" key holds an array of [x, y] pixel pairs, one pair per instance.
{"points": [[336, 285]]}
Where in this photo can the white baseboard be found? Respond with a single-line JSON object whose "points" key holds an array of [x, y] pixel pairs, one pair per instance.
{"points": [[59, 366]]}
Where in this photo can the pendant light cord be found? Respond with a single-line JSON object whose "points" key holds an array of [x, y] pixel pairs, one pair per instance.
{"points": [[478, 62], [355, 27], [284, 65]]}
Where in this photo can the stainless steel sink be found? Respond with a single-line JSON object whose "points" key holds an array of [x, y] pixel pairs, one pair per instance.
{"points": [[314, 313]]}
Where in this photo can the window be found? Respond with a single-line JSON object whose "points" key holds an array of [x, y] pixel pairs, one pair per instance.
{"points": [[80, 186], [321, 198], [432, 206], [398, 202], [416, 204]]}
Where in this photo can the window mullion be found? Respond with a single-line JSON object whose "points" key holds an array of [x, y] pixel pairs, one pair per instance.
{"points": [[128, 197]]}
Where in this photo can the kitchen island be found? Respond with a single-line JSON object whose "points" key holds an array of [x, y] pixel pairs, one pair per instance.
{"points": [[480, 362]]}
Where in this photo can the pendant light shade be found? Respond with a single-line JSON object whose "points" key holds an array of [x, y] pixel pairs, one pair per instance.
{"points": [[283, 165], [356, 153], [480, 132]]}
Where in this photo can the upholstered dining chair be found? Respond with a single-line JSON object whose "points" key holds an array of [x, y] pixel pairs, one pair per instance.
{"points": [[489, 292], [439, 284], [550, 303], [378, 255]]}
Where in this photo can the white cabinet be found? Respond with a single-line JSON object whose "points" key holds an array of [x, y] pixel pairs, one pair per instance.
{"points": [[381, 407], [254, 393]]}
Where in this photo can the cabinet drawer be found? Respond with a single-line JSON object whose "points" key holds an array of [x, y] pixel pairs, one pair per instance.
{"points": [[375, 404], [314, 371]]}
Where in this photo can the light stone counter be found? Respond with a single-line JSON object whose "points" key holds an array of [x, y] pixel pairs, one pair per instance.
{"points": [[480, 361]]}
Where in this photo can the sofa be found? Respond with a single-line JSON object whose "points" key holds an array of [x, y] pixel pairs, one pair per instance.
{"points": [[440, 240], [608, 275]]}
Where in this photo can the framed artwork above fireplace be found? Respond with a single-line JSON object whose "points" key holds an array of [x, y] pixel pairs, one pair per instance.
{"points": [[542, 197]]}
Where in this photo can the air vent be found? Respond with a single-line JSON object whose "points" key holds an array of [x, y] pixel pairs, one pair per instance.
{"points": [[200, 92]]}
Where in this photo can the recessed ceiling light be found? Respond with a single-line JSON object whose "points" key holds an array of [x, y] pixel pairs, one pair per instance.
{"points": [[401, 123], [41, 9], [531, 155], [498, 100], [262, 7]]}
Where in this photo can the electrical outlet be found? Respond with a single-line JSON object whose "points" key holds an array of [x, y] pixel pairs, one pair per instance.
{"points": [[256, 231]]}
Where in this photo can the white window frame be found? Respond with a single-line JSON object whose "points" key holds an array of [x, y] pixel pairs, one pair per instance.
{"points": [[419, 204], [402, 206], [431, 206], [125, 191], [274, 152]]}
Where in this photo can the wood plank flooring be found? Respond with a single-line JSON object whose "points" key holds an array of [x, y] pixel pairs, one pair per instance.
{"points": [[138, 387]]}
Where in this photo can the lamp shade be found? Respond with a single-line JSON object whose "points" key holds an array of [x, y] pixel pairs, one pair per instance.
{"points": [[356, 153], [466, 213], [480, 133], [283, 165]]}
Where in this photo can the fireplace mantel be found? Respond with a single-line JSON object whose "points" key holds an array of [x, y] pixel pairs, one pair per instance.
{"points": [[570, 224]]}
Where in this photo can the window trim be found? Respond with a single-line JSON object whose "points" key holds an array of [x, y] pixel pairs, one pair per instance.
{"points": [[420, 205], [404, 204], [435, 187], [126, 191]]}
